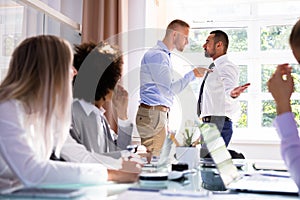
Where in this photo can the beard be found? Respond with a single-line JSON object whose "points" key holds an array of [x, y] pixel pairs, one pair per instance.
{"points": [[206, 54], [210, 54]]}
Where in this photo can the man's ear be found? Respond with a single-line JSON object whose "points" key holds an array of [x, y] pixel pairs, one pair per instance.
{"points": [[219, 44], [174, 34]]}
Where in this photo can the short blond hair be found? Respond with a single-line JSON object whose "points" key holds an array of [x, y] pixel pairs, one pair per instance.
{"points": [[175, 25]]}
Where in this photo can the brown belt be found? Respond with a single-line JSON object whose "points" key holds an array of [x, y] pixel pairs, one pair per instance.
{"points": [[159, 107]]}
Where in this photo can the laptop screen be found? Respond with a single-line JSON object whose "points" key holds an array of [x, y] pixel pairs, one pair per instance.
{"points": [[232, 179], [219, 153]]}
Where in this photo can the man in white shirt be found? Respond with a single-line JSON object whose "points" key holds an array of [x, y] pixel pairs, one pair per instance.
{"points": [[220, 90]]}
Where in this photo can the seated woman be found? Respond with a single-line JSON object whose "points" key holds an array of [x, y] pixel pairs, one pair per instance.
{"points": [[89, 124], [35, 117]]}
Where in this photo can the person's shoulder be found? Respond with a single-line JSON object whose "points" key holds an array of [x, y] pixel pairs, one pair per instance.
{"points": [[11, 111], [78, 107], [153, 55], [82, 109], [9, 105], [228, 65]]}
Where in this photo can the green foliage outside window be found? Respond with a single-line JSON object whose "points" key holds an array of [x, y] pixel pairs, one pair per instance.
{"points": [[237, 39], [243, 121], [266, 73], [268, 107], [10, 41], [197, 40], [268, 70], [269, 112], [275, 37]]}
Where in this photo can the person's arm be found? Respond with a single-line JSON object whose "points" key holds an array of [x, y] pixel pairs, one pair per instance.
{"points": [[229, 75], [72, 151], [120, 102], [162, 74], [236, 92], [119, 170], [125, 127], [281, 86], [290, 143], [33, 169]]}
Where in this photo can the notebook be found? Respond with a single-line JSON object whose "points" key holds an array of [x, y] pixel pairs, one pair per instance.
{"points": [[56, 193], [233, 179]]}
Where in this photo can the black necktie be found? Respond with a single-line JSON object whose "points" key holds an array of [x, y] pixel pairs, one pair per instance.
{"points": [[201, 90]]}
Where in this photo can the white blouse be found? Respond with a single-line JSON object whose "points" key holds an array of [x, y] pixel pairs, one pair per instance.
{"points": [[20, 161]]}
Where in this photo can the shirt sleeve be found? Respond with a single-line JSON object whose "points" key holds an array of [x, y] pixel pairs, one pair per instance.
{"points": [[162, 74], [32, 169], [290, 144], [125, 129], [229, 76], [75, 152]]}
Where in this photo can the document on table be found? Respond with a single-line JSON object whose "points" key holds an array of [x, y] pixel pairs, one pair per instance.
{"points": [[150, 194]]}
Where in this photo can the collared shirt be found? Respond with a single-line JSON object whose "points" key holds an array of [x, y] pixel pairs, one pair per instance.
{"points": [[101, 139], [286, 127], [216, 94], [22, 161], [156, 77], [99, 146]]}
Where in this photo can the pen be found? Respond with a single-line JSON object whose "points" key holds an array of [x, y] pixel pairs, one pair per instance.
{"points": [[269, 174], [143, 189], [275, 175]]}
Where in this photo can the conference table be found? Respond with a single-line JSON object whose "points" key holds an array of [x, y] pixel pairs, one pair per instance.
{"points": [[190, 187]]}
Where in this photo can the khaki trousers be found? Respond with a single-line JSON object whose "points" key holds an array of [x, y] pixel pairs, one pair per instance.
{"points": [[152, 127]]}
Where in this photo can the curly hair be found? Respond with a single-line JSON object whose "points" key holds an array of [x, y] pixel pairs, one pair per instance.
{"points": [[110, 58]]}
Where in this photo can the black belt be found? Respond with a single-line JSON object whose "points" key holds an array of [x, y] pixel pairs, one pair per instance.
{"points": [[209, 118]]}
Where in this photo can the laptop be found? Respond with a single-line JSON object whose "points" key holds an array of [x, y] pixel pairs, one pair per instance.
{"points": [[233, 179]]}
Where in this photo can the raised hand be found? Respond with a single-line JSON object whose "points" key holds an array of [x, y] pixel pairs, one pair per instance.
{"points": [[120, 102], [200, 71], [238, 90], [281, 86]]}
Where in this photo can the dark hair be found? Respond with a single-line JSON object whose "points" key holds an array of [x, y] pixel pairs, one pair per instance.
{"points": [[110, 58], [221, 36], [295, 36], [81, 52], [173, 24]]}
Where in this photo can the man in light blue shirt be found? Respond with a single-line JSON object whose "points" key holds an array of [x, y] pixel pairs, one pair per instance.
{"points": [[158, 87]]}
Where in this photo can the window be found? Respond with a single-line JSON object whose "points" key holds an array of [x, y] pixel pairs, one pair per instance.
{"points": [[18, 21], [258, 37], [11, 19]]}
